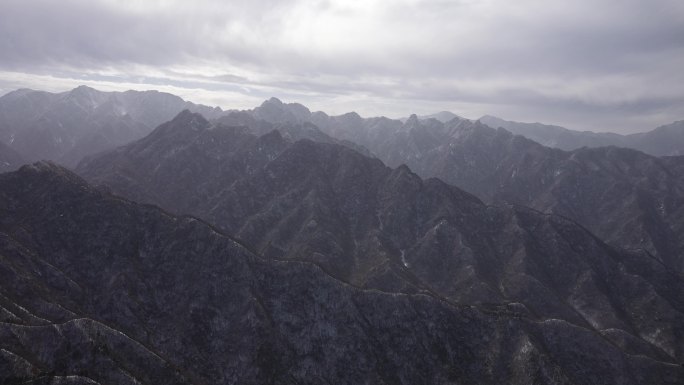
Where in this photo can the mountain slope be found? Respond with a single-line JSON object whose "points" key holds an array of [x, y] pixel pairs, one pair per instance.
{"points": [[383, 228], [628, 198], [67, 126], [10, 160], [97, 289], [664, 140]]}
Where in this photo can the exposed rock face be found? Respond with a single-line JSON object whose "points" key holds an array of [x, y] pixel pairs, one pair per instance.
{"points": [[664, 140], [97, 289], [68, 126], [377, 227]]}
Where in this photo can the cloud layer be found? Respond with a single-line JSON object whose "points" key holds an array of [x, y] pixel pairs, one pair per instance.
{"points": [[604, 65]]}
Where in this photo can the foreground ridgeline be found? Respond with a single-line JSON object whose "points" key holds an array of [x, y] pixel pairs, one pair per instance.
{"points": [[386, 229], [98, 289]]}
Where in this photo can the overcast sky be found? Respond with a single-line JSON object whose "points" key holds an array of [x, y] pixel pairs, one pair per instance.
{"points": [[599, 65]]}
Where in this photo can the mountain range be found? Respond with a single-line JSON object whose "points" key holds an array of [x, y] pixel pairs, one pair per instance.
{"points": [[67, 126], [662, 141], [283, 246]]}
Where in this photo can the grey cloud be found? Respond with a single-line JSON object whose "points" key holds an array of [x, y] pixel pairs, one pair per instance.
{"points": [[505, 55]]}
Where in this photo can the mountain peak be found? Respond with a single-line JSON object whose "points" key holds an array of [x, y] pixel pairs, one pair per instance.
{"points": [[45, 171], [86, 97], [83, 91], [273, 100], [190, 119], [412, 120], [18, 93], [351, 116], [83, 87]]}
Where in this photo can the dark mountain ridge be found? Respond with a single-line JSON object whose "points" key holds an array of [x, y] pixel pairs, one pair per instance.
{"points": [[339, 268], [98, 289]]}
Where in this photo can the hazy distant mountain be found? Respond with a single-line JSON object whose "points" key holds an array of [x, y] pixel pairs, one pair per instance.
{"points": [[664, 140], [98, 289], [275, 111], [67, 126], [382, 228], [442, 116], [10, 160], [338, 268]]}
